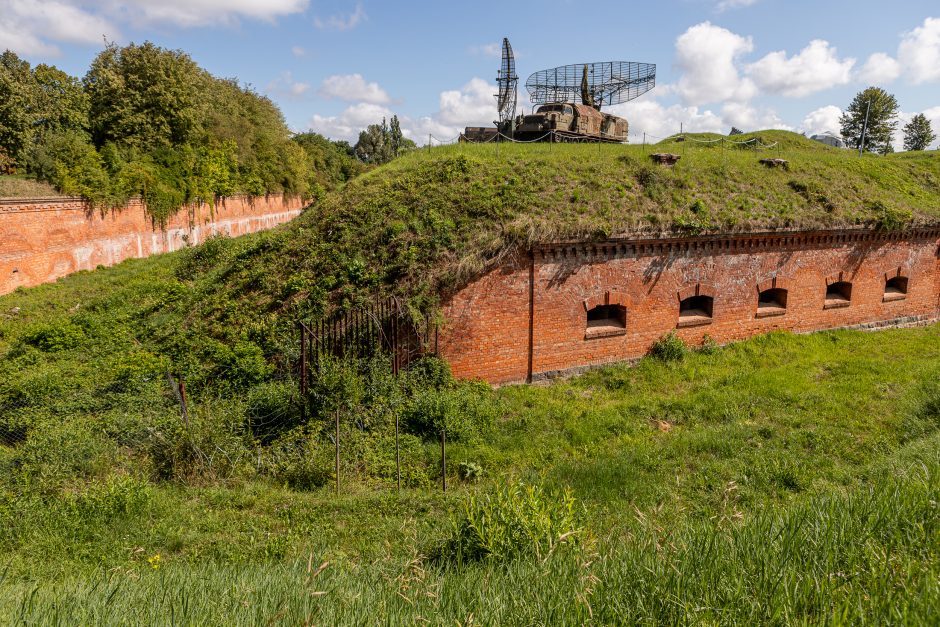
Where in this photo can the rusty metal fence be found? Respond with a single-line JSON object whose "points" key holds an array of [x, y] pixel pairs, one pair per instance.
{"points": [[383, 326]]}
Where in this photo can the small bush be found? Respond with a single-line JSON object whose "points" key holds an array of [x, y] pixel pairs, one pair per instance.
{"points": [[669, 347], [709, 345], [467, 411], [300, 460], [55, 454], [889, 218], [53, 337], [470, 471], [117, 496], [272, 409], [515, 519]]}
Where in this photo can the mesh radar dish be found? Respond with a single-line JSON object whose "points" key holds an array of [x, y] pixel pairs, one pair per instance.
{"points": [[508, 82], [593, 84]]}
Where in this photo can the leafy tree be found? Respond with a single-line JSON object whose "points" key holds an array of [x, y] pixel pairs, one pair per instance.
{"points": [[918, 134], [333, 161], [381, 143], [16, 102], [144, 96], [372, 146], [35, 102], [149, 122], [882, 120]]}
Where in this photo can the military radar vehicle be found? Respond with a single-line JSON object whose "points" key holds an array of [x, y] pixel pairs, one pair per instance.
{"points": [[567, 101]]}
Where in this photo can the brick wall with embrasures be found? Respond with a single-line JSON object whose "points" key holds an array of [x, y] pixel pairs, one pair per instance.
{"points": [[562, 307]]}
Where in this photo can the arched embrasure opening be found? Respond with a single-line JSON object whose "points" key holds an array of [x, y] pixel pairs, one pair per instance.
{"points": [[896, 288], [695, 310], [772, 302], [838, 294], [606, 320]]}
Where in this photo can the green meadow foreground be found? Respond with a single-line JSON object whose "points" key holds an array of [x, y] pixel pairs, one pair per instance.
{"points": [[787, 479]]}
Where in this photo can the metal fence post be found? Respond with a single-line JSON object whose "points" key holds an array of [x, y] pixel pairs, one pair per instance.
{"points": [[443, 459], [303, 372], [397, 453], [337, 451]]}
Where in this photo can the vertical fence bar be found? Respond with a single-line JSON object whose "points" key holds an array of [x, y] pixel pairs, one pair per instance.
{"points": [[337, 451], [444, 459], [397, 452], [303, 372]]}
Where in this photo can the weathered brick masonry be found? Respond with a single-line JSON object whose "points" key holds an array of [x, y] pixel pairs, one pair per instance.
{"points": [[529, 319], [44, 239]]}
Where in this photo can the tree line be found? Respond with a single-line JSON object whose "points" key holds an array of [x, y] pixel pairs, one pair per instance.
{"points": [[880, 109], [146, 121]]}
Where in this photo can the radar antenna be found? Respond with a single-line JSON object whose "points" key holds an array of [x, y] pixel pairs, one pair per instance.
{"points": [[594, 84], [508, 81]]}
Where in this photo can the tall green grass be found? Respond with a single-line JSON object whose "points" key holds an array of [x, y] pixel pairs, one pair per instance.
{"points": [[865, 556]]}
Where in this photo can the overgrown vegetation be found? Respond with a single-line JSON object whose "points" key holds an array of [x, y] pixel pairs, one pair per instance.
{"points": [[782, 479], [149, 122]]}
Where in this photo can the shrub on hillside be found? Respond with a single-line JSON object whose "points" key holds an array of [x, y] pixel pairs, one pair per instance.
{"points": [[512, 520], [669, 347], [466, 411], [272, 409], [55, 454], [54, 336]]}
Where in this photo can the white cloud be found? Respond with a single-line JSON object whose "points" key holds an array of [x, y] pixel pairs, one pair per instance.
{"points": [[919, 52], [285, 85], [823, 120], [27, 26], [879, 69], [724, 5], [487, 50], [707, 56], [815, 68], [353, 119], [748, 118], [340, 22], [659, 122], [353, 88], [471, 105], [190, 13], [35, 26], [298, 51]]}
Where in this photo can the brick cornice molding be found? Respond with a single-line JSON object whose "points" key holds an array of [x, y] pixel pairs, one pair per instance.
{"points": [[77, 203], [733, 243]]}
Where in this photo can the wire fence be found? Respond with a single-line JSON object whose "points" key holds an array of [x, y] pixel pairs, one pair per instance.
{"points": [[213, 420], [648, 142]]}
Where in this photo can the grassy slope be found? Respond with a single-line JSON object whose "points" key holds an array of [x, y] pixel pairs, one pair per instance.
{"points": [[12, 186], [798, 478]]}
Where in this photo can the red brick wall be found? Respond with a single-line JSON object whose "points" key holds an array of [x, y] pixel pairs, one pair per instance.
{"points": [[44, 239], [527, 320]]}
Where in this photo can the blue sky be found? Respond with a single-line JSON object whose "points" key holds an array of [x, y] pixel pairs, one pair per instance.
{"points": [[337, 65]]}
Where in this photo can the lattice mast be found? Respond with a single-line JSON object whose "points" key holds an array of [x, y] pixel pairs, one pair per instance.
{"points": [[508, 83]]}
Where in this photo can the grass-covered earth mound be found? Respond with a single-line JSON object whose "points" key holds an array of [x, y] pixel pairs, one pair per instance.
{"points": [[430, 221]]}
